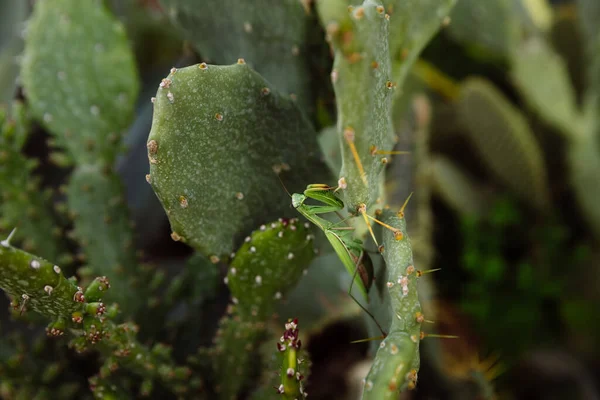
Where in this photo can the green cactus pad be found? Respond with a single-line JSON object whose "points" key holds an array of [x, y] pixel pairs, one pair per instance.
{"points": [[457, 188], [79, 76], [267, 265], [37, 284], [412, 26], [271, 35], [489, 25], [102, 228], [235, 354], [363, 87], [548, 90], [220, 137], [504, 140], [22, 203], [397, 361]]}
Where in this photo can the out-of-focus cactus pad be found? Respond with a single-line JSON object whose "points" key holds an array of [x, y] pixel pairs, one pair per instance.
{"points": [[79, 76], [504, 140]]}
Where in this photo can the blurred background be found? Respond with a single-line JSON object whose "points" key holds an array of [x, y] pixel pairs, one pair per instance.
{"points": [[501, 115]]}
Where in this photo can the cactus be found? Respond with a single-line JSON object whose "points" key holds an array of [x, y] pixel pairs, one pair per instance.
{"points": [[457, 188], [87, 121], [549, 91], [213, 125], [270, 262], [363, 86], [397, 361], [74, 90], [24, 203], [36, 284], [291, 377], [498, 130], [235, 354], [271, 35]]}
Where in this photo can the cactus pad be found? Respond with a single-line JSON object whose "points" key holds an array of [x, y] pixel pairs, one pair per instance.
{"points": [[102, 228], [220, 137], [504, 140], [37, 284], [267, 265], [397, 360], [271, 35], [82, 90]]}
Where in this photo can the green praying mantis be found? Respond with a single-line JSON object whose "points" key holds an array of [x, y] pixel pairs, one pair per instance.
{"points": [[349, 250]]}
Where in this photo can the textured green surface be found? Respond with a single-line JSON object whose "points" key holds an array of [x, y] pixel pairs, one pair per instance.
{"points": [[398, 353], [548, 90], [23, 204], [457, 188], [363, 87], [235, 354], [363, 79], [271, 35], [219, 136], [505, 142], [413, 23], [36, 282], [12, 17], [102, 228], [267, 265], [490, 25], [82, 90]]}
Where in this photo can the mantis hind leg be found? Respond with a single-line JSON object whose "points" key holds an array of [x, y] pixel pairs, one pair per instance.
{"points": [[356, 267]]}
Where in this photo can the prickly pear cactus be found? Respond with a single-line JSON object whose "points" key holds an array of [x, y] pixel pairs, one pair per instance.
{"points": [[235, 354], [221, 138], [363, 86], [36, 284], [271, 35], [23, 203], [267, 265], [397, 361], [84, 95], [500, 132], [83, 91]]}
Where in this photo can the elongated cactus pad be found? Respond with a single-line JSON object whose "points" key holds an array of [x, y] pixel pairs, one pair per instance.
{"points": [[504, 140], [457, 188], [79, 76], [102, 228], [271, 35], [235, 354], [397, 361], [492, 25], [548, 90], [267, 265], [363, 86], [220, 137], [412, 26]]}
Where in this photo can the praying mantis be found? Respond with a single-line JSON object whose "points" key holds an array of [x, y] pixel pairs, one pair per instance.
{"points": [[348, 249]]}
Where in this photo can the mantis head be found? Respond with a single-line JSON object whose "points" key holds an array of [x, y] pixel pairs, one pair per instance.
{"points": [[298, 199]]}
